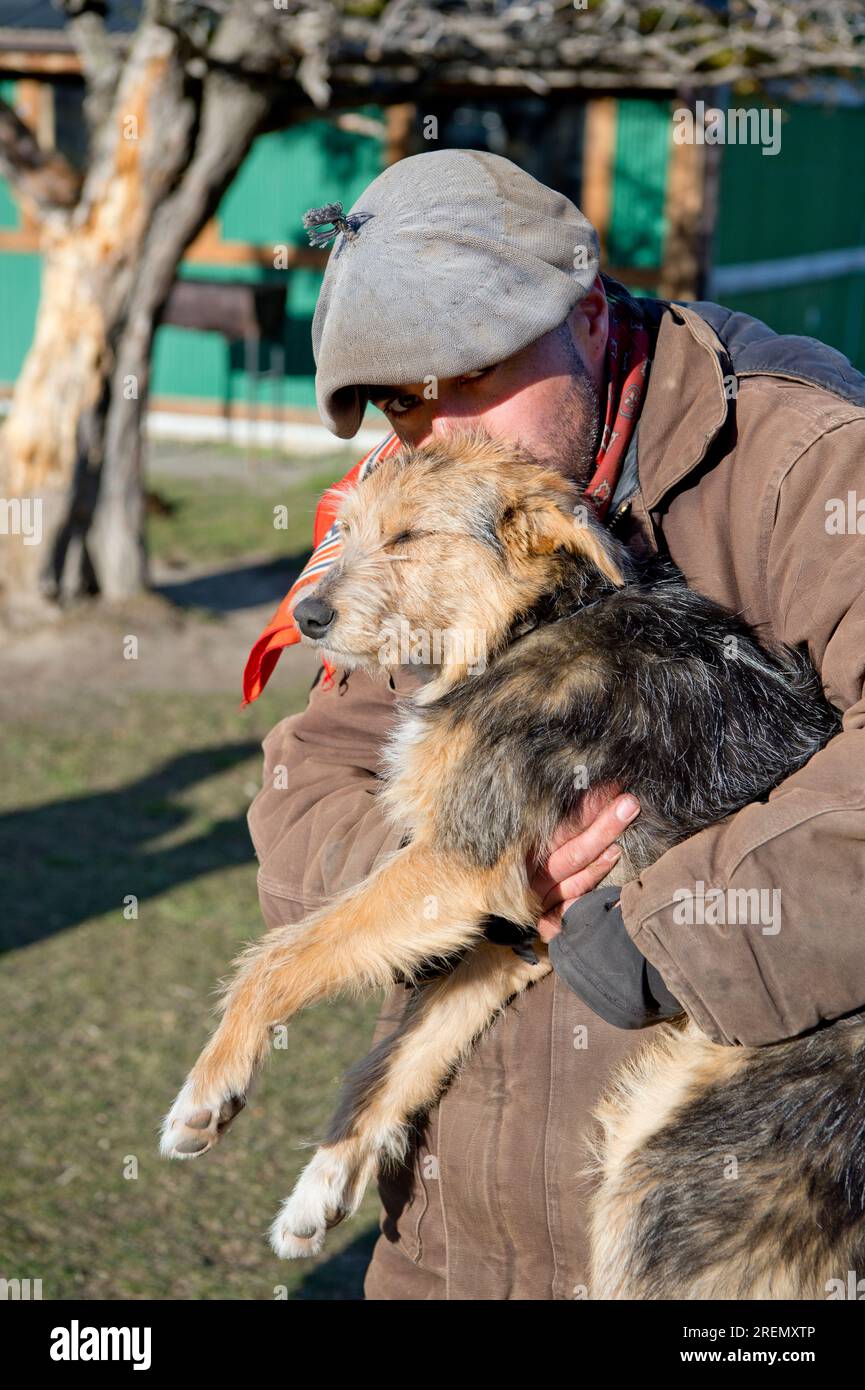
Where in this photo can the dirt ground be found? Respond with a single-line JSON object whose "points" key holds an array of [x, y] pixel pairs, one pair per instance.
{"points": [[193, 635]]}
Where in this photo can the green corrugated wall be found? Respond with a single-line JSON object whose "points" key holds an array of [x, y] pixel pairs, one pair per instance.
{"points": [[285, 173], [810, 197], [636, 231]]}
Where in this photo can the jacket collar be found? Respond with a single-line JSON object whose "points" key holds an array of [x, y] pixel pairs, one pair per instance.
{"points": [[686, 402]]}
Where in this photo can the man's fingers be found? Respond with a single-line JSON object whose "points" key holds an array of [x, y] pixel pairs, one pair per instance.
{"points": [[590, 844], [594, 801], [587, 846], [583, 881]]}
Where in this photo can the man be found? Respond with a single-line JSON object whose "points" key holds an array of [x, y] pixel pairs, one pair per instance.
{"points": [[462, 292]]}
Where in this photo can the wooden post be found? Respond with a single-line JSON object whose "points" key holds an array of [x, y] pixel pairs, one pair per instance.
{"points": [[689, 215], [599, 158], [399, 120]]}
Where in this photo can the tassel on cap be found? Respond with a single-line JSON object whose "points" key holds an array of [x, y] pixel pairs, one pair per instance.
{"points": [[333, 213]]}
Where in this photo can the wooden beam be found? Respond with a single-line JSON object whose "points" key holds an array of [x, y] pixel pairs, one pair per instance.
{"points": [[641, 277], [18, 239], [18, 60], [209, 248]]}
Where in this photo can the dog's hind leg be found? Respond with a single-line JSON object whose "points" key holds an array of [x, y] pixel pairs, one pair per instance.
{"points": [[418, 906], [399, 1079]]}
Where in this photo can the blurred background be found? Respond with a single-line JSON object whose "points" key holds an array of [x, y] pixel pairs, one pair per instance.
{"points": [[160, 463]]}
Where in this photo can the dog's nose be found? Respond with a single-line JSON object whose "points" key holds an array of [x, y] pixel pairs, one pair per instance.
{"points": [[313, 616]]}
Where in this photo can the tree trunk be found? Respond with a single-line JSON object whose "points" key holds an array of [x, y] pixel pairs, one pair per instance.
{"points": [[70, 450], [231, 113]]}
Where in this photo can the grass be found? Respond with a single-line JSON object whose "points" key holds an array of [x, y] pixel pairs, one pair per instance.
{"points": [[230, 518], [104, 1014], [143, 797]]}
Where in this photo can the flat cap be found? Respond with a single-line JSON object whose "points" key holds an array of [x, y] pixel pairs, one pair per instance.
{"points": [[449, 262]]}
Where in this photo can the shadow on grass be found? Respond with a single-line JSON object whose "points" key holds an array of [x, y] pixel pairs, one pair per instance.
{"points": [[77, 858], [231, 590], [342, 1276]]}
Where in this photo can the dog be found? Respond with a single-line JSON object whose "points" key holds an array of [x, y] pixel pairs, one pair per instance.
{"points": [[562, 654]]}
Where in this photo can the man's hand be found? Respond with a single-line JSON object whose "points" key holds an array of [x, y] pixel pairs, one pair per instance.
{"points": [[583, 853]]}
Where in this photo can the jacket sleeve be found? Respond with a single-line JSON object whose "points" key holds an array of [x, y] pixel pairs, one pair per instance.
{"points": [[317, 825], [799, 957]]}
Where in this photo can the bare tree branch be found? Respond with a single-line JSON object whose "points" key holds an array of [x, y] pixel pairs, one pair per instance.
{"points": [[332, 51], [101, 57]]}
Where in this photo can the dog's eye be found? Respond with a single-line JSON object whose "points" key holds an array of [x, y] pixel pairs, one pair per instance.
{"points": [[402, 538]]}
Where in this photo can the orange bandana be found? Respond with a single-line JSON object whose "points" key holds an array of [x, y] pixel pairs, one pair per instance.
{"points": [[282, 630], [627, 370]]}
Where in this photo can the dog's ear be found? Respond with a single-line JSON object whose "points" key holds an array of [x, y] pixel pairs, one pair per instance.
{"points": [[543, 527], [591, 541]]}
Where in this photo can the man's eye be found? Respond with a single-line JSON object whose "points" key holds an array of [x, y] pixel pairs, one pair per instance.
{"points": [[475, 376], [400, 405]]}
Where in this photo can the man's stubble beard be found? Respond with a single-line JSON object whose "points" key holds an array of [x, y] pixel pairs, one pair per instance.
{"points": [[572, 438]]}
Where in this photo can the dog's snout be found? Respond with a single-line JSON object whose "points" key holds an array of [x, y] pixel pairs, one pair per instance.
{"points": [[314, 616]]}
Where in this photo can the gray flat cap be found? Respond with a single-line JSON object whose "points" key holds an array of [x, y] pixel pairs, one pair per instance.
{"points": [[449, 262]]}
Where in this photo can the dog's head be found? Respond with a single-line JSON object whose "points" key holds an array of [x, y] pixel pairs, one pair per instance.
{"points": [[444, 547]]}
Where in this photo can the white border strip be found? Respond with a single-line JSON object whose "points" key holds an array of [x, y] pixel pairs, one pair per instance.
{"points": [[243, 433], [291, 435], [792, 270]]}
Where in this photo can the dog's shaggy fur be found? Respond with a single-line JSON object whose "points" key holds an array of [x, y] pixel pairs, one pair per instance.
{"points": [[597, 672]]}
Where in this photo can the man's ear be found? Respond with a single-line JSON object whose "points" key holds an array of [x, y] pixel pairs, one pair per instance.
{"points": [[540, 528]]}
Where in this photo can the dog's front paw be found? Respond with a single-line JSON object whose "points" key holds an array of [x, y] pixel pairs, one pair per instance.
{"points": [[196, 1122], [325, 1193]]}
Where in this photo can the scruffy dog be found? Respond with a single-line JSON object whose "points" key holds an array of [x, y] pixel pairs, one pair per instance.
{"points": [[557, 654]]}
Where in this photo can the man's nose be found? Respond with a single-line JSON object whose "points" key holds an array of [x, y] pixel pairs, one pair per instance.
{"points": [[445, 417], [314, 616], [443, 425]]}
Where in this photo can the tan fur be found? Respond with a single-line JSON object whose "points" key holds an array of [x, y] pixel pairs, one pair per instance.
{"points": [[430, 1044], [379, 576]]}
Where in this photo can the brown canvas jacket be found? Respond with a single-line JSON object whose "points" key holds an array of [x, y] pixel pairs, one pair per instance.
{"points": [[749, 448]]}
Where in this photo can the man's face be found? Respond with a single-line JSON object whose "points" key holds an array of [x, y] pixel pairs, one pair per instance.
{"points": [[545, 398]]}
